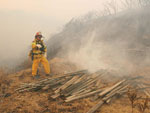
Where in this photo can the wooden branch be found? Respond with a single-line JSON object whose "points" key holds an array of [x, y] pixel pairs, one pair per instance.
{"points": [[74, 87], [85, 83], [71, 98], [68, 83], [108, 97], [111, 88], [146, 92]]}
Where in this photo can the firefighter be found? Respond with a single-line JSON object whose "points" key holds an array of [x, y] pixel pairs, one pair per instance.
{"points": [[39, 55]]}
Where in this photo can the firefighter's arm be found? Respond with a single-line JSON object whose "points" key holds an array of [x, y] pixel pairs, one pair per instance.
{"points": [[33, 45]]}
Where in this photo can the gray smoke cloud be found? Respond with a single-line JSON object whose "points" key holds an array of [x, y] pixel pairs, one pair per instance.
{"points": [[119, 41]]}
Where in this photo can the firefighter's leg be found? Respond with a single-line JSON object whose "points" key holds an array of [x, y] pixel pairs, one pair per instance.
{"points": [[46, 65], [35, 66]]}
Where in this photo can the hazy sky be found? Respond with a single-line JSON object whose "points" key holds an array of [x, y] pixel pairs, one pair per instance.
{"points": [[21, 19]]}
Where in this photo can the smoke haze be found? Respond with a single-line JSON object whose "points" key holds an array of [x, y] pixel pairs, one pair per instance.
{"points": [[118, 41], [17, 35], [107, 39], [21, 19]]}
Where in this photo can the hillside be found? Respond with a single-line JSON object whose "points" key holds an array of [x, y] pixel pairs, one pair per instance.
{"points": [[118, 38], [41, 101], [97, 62]]}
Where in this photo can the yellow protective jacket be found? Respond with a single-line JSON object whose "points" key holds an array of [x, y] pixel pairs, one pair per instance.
{"points": [[36, 52]]}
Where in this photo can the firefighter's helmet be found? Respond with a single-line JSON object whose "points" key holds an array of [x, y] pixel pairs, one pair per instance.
{"points": [[38, 34]]}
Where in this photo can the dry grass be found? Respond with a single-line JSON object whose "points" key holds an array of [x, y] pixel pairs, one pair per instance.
{"points": [[40, 102], [4, 81], [132, 95], [143, 105]]}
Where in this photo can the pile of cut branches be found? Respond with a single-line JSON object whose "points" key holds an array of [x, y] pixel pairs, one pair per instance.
{"points": [[81, 84]]}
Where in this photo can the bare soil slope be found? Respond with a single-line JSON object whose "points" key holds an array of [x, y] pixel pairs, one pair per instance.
{"points": [[41, 101]]}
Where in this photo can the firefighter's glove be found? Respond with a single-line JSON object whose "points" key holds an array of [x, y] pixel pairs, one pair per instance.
{"points": [[38, 45]]}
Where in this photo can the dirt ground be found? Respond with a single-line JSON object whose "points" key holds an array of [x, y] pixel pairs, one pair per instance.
{"points": [[41, 102]]}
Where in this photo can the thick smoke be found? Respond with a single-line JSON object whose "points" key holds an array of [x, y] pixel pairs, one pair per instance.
{"points": [[119, 41]]}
